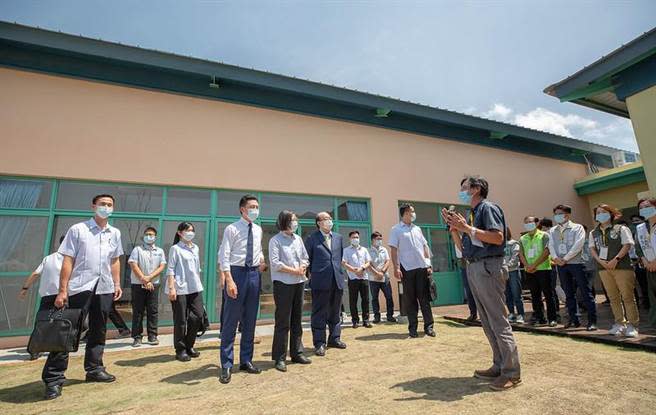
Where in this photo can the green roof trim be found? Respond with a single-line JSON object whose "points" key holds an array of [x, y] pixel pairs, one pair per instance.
{"points": [[611, 179]]}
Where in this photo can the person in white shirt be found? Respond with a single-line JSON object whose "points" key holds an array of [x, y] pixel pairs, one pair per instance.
{"points": [[89, 280], [147, 262], [566, 241], [412, 265], [356, 260], [185, 289], [379, 277], [289, 261], [48, 270], [241, 261]]}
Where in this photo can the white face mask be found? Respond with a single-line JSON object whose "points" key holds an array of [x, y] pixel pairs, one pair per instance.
{"points": [[378, 242], [327, 225], [413, 217], [294, 226], [355, 242], [253, 214], [188, 236], [149, 239], [104, 211]]}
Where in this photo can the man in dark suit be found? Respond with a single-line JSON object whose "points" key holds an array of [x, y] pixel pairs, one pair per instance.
{"points": [[327, 282]]}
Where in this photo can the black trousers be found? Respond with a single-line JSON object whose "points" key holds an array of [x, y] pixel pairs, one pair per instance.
{"points": [[117, 319], [361, 288], [416, 295], [539, 283], [386, 288], [144, 301], [97, 307], [289, 312], [187, 319], [641, 277]]}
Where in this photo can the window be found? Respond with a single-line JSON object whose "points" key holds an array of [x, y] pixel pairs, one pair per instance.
{"points": [[21, 245], [14, 314], [25, 194], [440, 248], [78, 196], [357, 210], [187, 202], [305, 207], [229, 202]]}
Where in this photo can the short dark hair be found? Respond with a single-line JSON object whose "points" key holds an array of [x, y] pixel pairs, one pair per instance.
{"points": [[150, 228], [376, 234], [354, 233], [535, 218], [96, 197], [284, 221], [246, 198], [545, 222], [564, 208], [404, 207], [634, 216], [477, 181]]}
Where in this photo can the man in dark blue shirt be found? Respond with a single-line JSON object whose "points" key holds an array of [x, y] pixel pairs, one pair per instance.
{"points": [[482, 237]]}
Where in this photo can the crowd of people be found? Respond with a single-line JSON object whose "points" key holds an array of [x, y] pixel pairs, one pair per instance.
{"points": [[84, 273]]}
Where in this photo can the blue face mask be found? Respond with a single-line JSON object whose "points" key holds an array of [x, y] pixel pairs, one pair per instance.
{"points": [[530, 227], [465, 197], [648, 212], [559, 218], [602, 217]]}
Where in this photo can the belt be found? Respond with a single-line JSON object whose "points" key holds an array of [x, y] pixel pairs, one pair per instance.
{"points": [[245, 267], [472, 260]]}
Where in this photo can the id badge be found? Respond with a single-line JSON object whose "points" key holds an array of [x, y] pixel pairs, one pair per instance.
{"points": [[531, 253], [603, 253], [562, 249]]}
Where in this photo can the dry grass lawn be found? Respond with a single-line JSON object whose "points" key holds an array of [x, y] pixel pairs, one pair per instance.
{"points": [[380, 372]]}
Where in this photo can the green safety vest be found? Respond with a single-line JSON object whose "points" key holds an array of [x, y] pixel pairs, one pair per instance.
{"points": [[535, 246]]}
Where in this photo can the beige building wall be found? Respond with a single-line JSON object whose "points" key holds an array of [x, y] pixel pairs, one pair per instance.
{"points": [[621, 198], [69, 128], [642, 110]]}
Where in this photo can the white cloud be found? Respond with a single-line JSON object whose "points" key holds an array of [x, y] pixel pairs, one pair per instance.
{"points": [[616, 133]]}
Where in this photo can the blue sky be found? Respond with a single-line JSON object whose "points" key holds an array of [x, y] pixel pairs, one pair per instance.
{"points": [[487, 58]]}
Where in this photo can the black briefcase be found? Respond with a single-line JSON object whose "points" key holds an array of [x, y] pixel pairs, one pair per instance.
{"points": [[56, 330]]}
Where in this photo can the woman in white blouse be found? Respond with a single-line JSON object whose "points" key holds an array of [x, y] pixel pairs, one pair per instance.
{"points": [[185, 290], [289, 262]]}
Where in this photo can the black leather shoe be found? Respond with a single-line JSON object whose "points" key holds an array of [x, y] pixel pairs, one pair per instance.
{"points": [[412, 335], [392, 320], [472, 317], [249, 368], [337, 345], [52, 392], [225, 374], [281, 365], [101, 376], [355, 324], [193, 353], [182, 356], [367, 324], [301, 359], [431, 332], [575, 324], [321, 350], [376, 320]]}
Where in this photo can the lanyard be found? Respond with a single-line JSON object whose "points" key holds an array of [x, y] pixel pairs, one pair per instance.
{"points": [[471, 217], [562, 233]]}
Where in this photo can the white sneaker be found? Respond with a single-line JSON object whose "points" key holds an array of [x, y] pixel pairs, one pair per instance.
{"points": [[520, 319], [616, 330], [631, 331], [511, 317]]}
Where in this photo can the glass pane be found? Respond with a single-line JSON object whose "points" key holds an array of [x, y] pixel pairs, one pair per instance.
{"points": [[229, 202], [353, 210], [426, 212], [15, 314], [170, 229], [305, 207], [188, 202], [61, 226], [218, 299], [78, 196], [21, 244], [440, 246], [25, 194], [267, 306]]}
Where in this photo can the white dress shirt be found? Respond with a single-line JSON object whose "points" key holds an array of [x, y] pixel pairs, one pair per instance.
{"points": [[287, 250], [356, 257], [148, 258], [233, 246], [379, 257], [49, 270], [184, 265], [409, 241], [92, 250]]}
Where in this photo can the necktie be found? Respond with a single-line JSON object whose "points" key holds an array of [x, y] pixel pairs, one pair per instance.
{"points": [[249, 246], [328, 241]]}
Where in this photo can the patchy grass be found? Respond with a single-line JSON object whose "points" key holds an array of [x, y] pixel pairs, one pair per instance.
{"points": [[380, 372]]}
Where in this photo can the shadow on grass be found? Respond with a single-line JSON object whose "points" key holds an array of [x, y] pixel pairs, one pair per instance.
{"points": [[442, 389], [29, 392], [194, 376], [383, 336], [452, 324], [146, 360]]}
